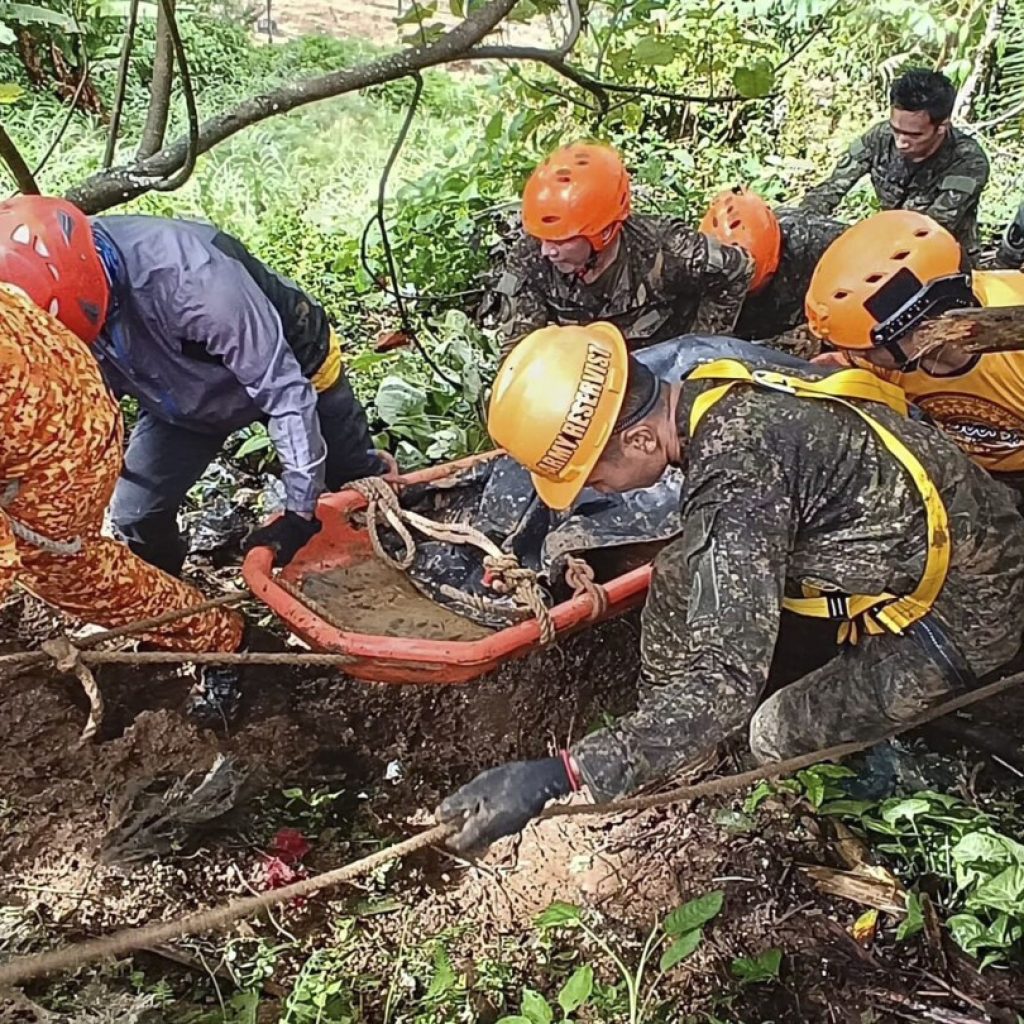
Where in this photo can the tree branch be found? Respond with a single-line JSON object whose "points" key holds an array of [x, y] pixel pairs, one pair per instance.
{"points": [[598, 87], [159, 88], [122, 83], [982, 60], [120, 184], [10, 155], [809, 38], [192, 146]]}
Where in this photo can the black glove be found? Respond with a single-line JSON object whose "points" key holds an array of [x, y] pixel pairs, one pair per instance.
{"points": [[501, 801], [286, 535]]}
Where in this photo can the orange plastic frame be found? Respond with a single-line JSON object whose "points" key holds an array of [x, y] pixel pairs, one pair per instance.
{"points": [[388, 659]]}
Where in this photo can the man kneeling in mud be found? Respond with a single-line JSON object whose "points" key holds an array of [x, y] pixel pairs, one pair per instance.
{"points": [[818, 496]]}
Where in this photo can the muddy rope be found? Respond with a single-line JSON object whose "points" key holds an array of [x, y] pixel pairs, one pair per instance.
{"points": [[24, 968]]}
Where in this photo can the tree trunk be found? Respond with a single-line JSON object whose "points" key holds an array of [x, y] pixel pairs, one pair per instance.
{"points": [[159, 89]]}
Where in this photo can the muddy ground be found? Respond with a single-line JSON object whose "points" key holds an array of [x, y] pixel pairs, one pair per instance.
{"points": [[389, 754]]}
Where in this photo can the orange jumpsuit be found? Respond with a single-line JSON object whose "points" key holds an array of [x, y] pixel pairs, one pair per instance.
{"points": [[60, 456]]}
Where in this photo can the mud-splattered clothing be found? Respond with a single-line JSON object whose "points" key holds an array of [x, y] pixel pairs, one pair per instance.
{"points": [[779, 306], [781, 491], [946, 186], [666, 280], [60, 456]]}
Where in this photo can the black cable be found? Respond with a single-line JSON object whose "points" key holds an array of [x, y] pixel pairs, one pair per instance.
{"points": [[407, 325], [62, 131]]}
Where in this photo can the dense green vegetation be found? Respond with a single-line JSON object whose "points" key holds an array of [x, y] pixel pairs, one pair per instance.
{"points": [[299, 188]]}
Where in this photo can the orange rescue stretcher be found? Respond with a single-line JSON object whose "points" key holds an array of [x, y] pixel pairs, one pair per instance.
{"points": [[389, 659]]}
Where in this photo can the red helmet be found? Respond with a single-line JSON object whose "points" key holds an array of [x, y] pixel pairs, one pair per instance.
{"points": [[47, 251]]}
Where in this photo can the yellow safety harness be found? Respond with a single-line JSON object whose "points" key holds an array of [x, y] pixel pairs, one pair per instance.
{"points": [[872, 613]]}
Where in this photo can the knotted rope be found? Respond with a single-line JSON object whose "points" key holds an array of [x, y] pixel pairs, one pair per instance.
{"points": [[580, 576], [502, 570]]}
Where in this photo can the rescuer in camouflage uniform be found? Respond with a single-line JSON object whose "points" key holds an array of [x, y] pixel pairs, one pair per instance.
{"points": [[785, 245], [783, 490], [584, 257], [917, 160]]}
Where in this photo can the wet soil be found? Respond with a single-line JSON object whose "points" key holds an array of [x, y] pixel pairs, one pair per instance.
{"points": [[385, 755], [372, 597]]}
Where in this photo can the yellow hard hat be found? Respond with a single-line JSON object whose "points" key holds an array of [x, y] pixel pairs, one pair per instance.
{"points": [[555, 403]]}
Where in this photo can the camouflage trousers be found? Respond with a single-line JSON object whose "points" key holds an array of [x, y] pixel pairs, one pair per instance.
{"points": [[883, 682], [63, 497]]}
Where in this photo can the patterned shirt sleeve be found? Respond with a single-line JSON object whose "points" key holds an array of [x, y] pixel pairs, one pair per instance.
{"points": [[956, 204], [854, 164], [712, 616]]}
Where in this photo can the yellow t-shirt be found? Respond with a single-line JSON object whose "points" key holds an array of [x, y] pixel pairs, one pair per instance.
{"points": [[981, 407]]}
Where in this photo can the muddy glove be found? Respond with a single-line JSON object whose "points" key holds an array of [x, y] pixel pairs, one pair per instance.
{"points": [[501, 801], [286, 535]]}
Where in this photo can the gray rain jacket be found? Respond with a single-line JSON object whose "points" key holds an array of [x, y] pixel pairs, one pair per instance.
{"points": [[208, 338]]}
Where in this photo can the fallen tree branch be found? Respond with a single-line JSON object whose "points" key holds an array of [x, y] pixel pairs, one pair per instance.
{"points": [[119, 184]]}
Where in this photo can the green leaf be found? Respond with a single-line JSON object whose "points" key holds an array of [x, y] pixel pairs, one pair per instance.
{"points": [[7, 37], [754, 970], [444, 976], [397, 399], [576, 991], [754, 81], [10, 92], [853, 808], [257, 442], [757, 796], [457, 7], [694, 914], [1005, 892], [680, 949], [967, 931], [30, 14], [909, 809], [814, 785], [653, 51], [516, 1018], [987, 848], [523, 11], [733, 821], [536, 1008], [494, 126], [914, 921], [559, 915], [833, 771], [417, 14]]}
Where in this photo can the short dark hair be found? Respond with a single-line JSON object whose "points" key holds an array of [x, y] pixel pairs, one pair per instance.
{"points": [[921, 89], [643, 392]]}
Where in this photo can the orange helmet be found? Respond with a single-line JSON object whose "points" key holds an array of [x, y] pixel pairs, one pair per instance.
{"points": [[580, 190], [881, 277], [740, 217], [555, 403]]}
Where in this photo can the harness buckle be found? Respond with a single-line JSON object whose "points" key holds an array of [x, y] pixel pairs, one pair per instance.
{"points": [[773, 380]]}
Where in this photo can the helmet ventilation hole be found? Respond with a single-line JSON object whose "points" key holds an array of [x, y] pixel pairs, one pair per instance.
{"points": [[922, 233], [901, 255], [40, 248], [550, 218], [54, 272], [565, 178], [54, 307], [21, 235], [873, 278], [840, 295]]}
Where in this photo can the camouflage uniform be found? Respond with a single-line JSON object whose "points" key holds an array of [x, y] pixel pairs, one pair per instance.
{"points": [[779, 306], [783, 490], [666, 280], [946, 186]]}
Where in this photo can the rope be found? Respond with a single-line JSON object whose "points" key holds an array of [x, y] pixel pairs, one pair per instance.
{"points": [[579, 574], [44, 543], [68, 658], [503, 571], [26, 659], [24, 968], [21, 969]]}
